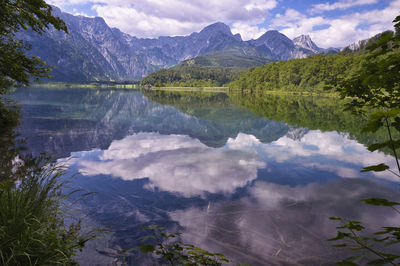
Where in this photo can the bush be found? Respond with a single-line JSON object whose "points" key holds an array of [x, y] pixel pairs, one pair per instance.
{"points": [[32, 226]]}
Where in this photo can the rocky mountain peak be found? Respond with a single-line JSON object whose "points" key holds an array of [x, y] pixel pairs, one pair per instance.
{"points": [[273, 35], [277, 42], [305, 41], [273, 38], [238, 36], [217, 27], [94, 51]]}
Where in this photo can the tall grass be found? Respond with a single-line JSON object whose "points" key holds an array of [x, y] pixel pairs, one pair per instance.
{"points": [[32, 226]]}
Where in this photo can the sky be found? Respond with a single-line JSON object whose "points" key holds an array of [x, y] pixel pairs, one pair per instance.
{"points": [[330, 23]]}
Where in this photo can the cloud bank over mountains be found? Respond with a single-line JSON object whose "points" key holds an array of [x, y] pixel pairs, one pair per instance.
{"points": [[330, 23]]}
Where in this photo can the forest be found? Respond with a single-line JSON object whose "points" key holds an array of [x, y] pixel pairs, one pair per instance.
{"points": [[191, 76], [312, 74], [309, 74]]}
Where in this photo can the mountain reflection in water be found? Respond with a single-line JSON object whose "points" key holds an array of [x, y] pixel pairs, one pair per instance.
{"points": [[259, 191]]}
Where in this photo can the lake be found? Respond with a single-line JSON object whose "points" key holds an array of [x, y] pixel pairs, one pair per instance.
{"points": [[253, 177]]}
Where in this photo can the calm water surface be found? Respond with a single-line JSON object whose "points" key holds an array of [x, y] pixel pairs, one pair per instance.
{"points": [[255, 178]]}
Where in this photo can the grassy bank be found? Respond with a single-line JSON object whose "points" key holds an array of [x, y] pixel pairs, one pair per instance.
{"points": [[32, 226], [283, 93], [210, 89]]}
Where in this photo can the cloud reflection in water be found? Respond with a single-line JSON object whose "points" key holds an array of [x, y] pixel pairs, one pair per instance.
{"points": [[268, 223], [283, 225], [181, 164], [328, 151], [175, 163]]}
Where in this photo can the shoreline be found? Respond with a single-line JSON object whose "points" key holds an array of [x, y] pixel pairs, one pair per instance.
{"points": [[210, 89], [205, 89]]}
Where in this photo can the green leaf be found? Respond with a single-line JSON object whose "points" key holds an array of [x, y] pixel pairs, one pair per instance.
{"points": [[378, 115], [396, 123], [380, 202], [376, 168], [340, 235], [146, 248], [395, 231], [392, 144], [339, 245], [125, 250], [393, 112], [377, 146], [355, 226], [372, 126]]}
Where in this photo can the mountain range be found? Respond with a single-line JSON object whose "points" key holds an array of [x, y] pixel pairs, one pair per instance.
{"points": [[92, 51]]}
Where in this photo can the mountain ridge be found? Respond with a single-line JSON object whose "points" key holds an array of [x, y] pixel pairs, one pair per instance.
{"points": [[92, 51]]}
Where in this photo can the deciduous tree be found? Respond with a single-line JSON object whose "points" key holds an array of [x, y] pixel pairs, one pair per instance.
{"points": [[16, 68]]}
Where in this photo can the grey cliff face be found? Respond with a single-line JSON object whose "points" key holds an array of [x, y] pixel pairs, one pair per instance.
{"points": [[280, 45], [304, 41], [94, 51]]}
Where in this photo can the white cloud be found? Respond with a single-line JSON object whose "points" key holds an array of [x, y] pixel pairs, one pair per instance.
{"points": [[140, 24], [64, 3], [340, 31], [153, 18], [247, 31], [250, 18], [343, 4], [76, 12]]}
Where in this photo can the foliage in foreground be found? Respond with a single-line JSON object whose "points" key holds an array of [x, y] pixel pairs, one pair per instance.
{"points": [[15, 67], [32, 221], [170, 250], [376, 85]]}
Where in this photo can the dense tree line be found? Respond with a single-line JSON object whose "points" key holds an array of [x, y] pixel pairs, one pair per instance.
{"points": [[191, 76], [311, 74], [308, 74]]}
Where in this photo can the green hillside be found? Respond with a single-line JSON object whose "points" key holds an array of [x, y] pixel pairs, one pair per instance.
{"points": [[215, 69], [311, 74], [226, 59], [191, 76]]}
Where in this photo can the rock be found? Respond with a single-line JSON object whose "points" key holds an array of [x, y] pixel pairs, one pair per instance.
{"points": [[92, 51]]}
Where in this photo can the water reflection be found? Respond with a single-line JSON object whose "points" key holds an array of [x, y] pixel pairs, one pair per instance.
{"points": [[328, 151], [61, 121], [258, 190], [283, 225], [180, 164], [173, 163]]}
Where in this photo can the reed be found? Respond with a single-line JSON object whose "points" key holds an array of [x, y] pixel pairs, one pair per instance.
{"points": [[33, 230]]}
